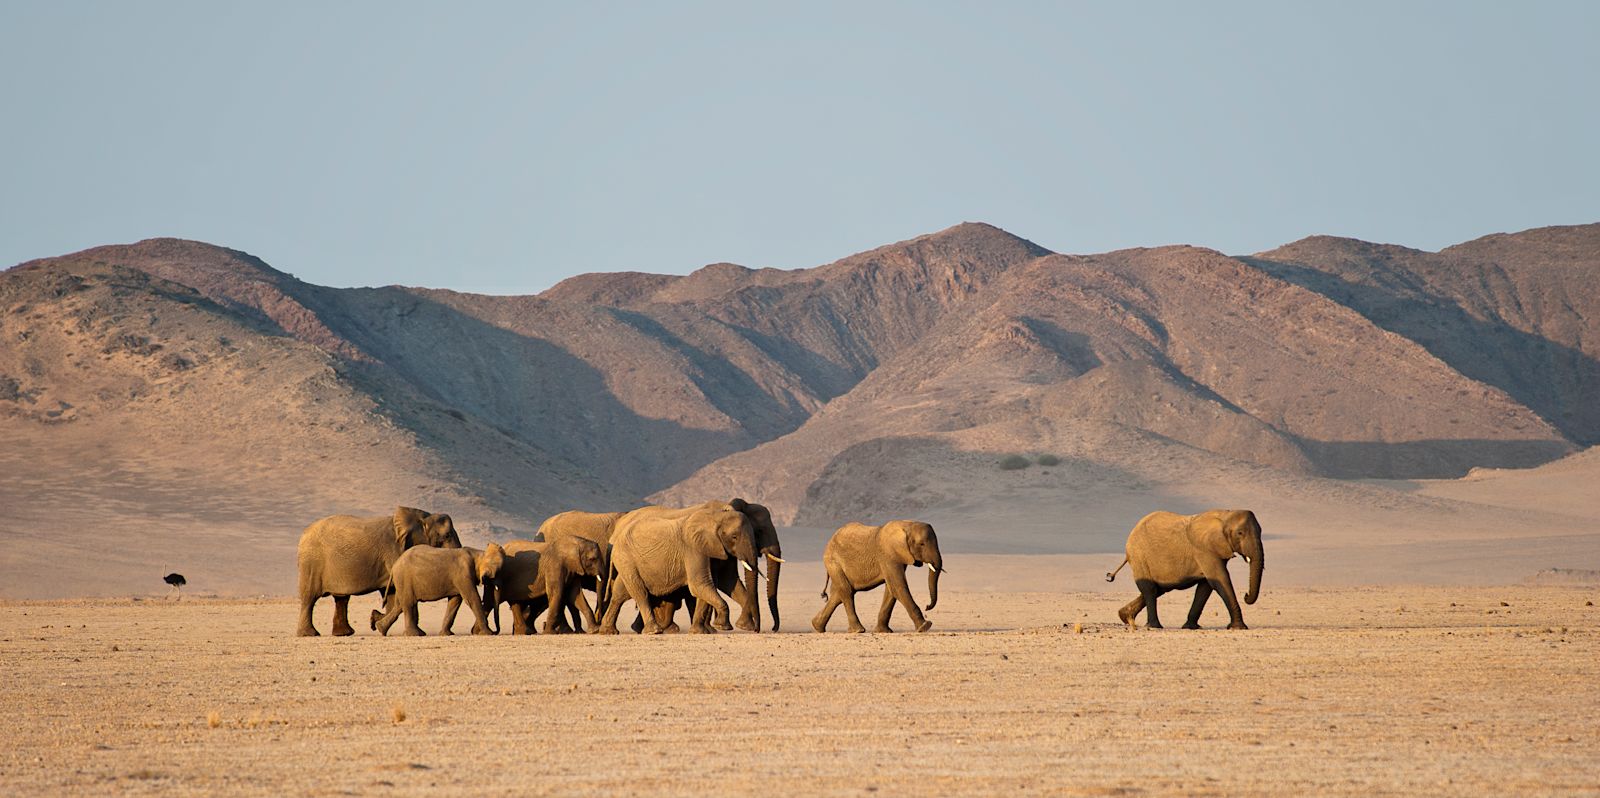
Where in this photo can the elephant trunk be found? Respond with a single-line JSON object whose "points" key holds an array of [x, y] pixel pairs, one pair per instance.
{"points": [[935, 568], [491, 601], [774, 565], [1255, 572]]}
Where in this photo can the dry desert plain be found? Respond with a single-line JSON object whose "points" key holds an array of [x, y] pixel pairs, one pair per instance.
{"points": [[1333, 691]]}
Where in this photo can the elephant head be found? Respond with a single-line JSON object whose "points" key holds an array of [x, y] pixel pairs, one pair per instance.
{"points": [[487, 566], [919, 545], [766, 543], [719, 531], [1244, 537], [1225, 533], [413, 527]]}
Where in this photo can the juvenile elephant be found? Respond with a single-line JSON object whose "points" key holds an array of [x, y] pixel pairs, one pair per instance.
{"points": [[725, 574], [591, 526], [1175, 552], [545, 575], [424, 573], [860, 557], [344, 556], [656, 550]]}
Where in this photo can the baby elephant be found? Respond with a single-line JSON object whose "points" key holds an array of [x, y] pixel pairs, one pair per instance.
{"points": [[860, 557], [424, 573]]}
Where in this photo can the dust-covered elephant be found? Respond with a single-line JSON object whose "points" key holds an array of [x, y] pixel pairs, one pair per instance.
{"points": [[591, 526], [725, 574], [424, 573], [657, 550], [344, 556], [860, 557], [546, 575], [1173, 552]]}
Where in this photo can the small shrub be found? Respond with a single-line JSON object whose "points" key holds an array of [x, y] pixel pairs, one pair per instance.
{"points": [[213, 719], [1014, 462], [1049, 460], [398, 712]]}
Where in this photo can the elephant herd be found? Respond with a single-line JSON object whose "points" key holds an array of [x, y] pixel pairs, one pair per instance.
{"points": [[661, 558]]}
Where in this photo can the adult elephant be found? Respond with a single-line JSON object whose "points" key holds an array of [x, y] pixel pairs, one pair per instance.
{"points": [[545, 575], [657, 550], [1174, 552], [344, 556], [590, 526], [860, 557], [725, 574]]}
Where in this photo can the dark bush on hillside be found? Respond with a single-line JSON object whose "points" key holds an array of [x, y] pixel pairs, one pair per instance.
{"points": [[1014, 462], [1049, 460]]}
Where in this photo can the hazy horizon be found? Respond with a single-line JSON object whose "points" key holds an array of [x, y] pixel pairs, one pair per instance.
{"points": [[502, 149]]}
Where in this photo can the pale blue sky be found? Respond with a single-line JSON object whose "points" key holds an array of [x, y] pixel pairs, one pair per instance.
{"points": [[500, 148]]}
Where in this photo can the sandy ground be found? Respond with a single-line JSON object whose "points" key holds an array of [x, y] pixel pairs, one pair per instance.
{"points": [[1334, 691]]}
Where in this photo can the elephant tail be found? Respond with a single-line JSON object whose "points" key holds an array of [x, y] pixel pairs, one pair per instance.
{"points": [[825, 581], [1112, 577]]}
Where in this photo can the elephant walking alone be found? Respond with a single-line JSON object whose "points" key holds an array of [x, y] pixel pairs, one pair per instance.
{"points": [[860, 557], [1175, 552]]}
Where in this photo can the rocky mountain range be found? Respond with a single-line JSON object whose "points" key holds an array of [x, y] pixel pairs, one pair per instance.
{"points": [[167, 384]]}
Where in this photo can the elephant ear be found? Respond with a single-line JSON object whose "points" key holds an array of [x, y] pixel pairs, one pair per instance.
{"points": [[897, 538], [407, 523], [490, 562], [700, 531], [1211, 531], [739, 505]]}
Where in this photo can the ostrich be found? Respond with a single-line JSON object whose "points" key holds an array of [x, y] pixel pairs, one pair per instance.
{"points": [[177, 581]]}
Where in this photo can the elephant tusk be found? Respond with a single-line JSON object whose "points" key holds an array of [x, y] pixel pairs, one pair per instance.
{"points": [[776, 558]]}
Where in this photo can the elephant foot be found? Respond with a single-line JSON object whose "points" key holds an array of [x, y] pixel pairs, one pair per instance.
{"points": [[374, 620], [1154, 625], [445, 632], [818, 627], [1191, 625], [605, 630], [925, 626], [1237, 625], [726, 627], [1125, 616], [414, 633], [671, 627], [481, 631], [343, 631], [883, 629], [307, 631], [701, 629], [745, 625], [856, 630]]}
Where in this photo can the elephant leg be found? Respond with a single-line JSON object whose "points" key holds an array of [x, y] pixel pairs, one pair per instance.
{"points": [[820, 622], [704, 589], [341, 617], [412, 628], [1149, 591], [451, 607], [581, 604], [666, 614], [1130, 611], [519, 618], [1217, 574], [641, 601], [885, 610], [1202, 593], [390, 615], [555, 618], [902, 592], [308, 601], [608, 620], [850, 612], [480, 616]]}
